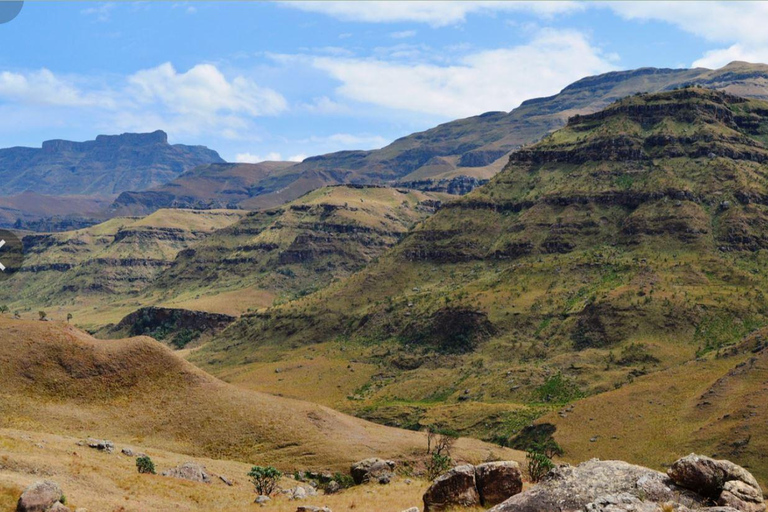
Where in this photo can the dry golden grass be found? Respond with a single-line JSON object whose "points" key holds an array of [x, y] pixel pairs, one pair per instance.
{"points": [[58, 379], [704, 406], [109, 482]]}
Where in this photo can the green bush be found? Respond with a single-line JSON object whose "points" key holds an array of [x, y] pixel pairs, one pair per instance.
{"points": [[438, 464], [344, 481], [265, 479], [538, 465], [145, 465], [559, 390]]}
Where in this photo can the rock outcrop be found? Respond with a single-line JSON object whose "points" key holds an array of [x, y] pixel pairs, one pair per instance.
{"points": [[40, 497], [486, 484], [497, 481], [457, 487], [108, 165], [692, 483], [372, 470], [720, 480], [189, 471]]}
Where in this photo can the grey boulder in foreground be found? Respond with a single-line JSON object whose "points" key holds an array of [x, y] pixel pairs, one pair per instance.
{"points": [[692, 483]]}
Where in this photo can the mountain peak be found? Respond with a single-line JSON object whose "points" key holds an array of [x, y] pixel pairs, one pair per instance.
{"points": [[157, 137]]}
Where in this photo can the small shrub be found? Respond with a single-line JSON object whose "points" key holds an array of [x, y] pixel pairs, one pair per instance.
{"points": [[538, 465], [438, 464], [344, 481], [145, 465], [558, 389], [264, 479]]}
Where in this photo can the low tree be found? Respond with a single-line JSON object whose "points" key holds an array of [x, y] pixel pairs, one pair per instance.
{"points": [[3, 308], [538, 464], [145, 465], [439, 450], [69, 317], [264, 479], [42, 315]]}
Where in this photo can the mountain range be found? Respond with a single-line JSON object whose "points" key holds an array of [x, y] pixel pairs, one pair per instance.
{"points": [[600, 284], [147, 173]]}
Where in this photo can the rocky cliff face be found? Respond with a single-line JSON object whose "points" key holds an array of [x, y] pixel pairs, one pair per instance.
{"points": [[174, 326], [206, 187], [108, 165]]}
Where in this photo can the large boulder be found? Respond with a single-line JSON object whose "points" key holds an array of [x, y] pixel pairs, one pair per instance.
{"points": [[498, 481], [104, 445], [40, 497], [572, 488], [455, 488], [372, 470], [189, 471], [719, 480]]}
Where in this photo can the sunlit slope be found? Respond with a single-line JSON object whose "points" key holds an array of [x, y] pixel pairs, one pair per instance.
{"points": [[294, 249], [75, 270], [57, 379], [630, 241], [712, 405]]}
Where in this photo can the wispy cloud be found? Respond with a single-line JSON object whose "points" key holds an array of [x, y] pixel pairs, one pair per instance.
{"points": [[200, 100], [101, 12], [250, 158], [434, 13], [486, 80], [741, 25]]}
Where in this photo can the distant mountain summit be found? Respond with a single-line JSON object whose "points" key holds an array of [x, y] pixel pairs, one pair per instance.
{"points": [[479, 146], [106, 166]]}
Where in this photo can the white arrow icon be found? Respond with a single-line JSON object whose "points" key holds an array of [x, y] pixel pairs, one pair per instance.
{"points": [[2, 267]]}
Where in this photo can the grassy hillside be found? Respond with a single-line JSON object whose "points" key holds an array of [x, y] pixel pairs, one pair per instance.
{"points": [[711, 405], [221, 261], [109, 483], [59, 380], [81, 271], [627, 243], [295, 249], [60, 385]]}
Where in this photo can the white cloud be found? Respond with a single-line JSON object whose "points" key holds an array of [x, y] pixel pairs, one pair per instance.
{"points": [[325, 105], [200, 101], [403, 34], [718, 58], [435, 13], [249, 158], [349, 141], [42, 87], [487, 80], [203, 90], [740, 24], [714, 21]]}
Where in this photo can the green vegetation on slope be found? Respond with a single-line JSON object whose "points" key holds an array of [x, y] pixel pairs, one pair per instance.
{"points": [[83, 271], [627, 243]]}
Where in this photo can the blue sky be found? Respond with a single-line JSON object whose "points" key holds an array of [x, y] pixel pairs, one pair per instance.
{"points": [[260, 80]]}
